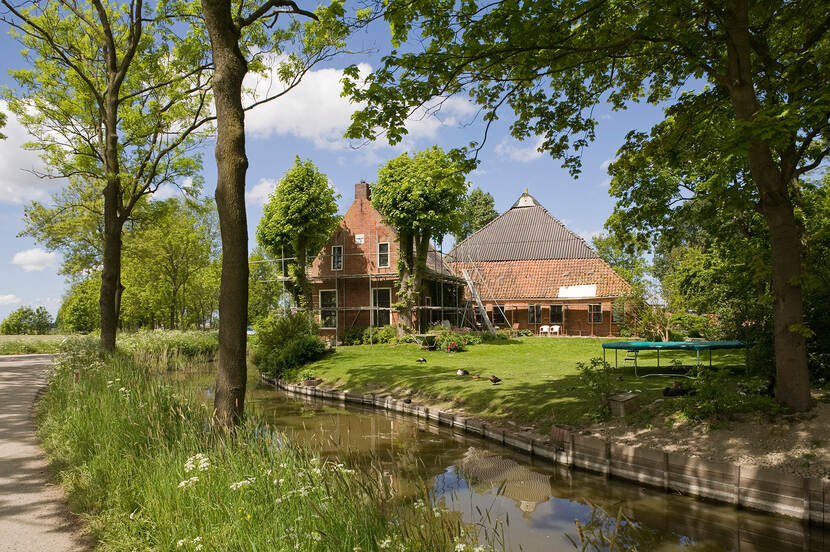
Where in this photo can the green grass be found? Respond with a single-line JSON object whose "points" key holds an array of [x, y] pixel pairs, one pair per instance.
{"points": [[138, 457], [30, 344], [540, 384]]}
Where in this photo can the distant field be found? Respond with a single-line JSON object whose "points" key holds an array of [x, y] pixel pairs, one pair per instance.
{"points": [[28, 344]]}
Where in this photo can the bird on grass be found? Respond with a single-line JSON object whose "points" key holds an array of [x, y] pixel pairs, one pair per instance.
{"points": [[476, 376], [494, 380], [421, 359], [462, 372]]}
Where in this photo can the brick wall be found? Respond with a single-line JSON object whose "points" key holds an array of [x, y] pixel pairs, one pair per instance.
{"points": [[574, 313]]}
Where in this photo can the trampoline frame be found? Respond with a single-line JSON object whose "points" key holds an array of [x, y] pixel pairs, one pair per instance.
{"points": [[637, 346]]}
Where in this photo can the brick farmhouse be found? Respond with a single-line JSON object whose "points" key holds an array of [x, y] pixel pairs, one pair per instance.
{"points": [[527, 268], [530, 271], [355, 277]]}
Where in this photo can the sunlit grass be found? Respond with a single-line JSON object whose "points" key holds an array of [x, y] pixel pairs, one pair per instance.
{"points": [[539, 387], [30, 344]]}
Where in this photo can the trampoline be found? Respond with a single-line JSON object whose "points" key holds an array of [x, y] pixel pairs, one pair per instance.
{"points": [[637, 346]]}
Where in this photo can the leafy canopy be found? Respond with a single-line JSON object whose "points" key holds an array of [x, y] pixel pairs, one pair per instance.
{"points": [[477, 209]]}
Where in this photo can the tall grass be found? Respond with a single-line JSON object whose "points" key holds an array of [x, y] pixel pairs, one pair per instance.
{"points": [[141, 460], [29, 344], [170, 349]]}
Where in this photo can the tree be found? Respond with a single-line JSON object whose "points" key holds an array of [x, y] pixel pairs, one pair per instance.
{"points": [[79, 311], [234, 33], [177, 243], [629, 264], [477, 209], [265, 290], [766, 94], [114, 99], [298, 219], [420, 196], [25, 320]]}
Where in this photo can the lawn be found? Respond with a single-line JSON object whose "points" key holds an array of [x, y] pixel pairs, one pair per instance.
{"points": [[28, 344], [539, 375]]}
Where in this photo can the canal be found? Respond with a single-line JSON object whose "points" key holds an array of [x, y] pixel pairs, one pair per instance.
{"points": [[535, 505]]}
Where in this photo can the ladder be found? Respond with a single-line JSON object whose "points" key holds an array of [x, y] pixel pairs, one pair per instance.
{"points": [[477, 299]]}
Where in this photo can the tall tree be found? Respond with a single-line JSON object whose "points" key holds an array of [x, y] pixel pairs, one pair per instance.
{"points": [[551, 62], [628, 262], [114, 98], [420, 196], [297, 220], [477, 209], [228, 24]]}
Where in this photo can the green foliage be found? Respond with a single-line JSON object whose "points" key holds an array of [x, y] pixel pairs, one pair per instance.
{"points": [[478, 208], [456, 341], [420, 196], [719, 396], [695, 326], [194, 344], [2, 124], [266, 295], [30, 344], [27, 321], [80, 311], [628, 262], [138, 461], [283, 343], [298, 219], [599, 380], [367, 336]]}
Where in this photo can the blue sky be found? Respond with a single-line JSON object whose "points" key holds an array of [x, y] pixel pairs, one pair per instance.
{"points": [[310, 122]]}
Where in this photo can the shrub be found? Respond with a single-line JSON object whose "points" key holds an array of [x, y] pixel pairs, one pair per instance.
{"points": [[379, 335], [525, 332], [352, 336], [597, 378], [169, 349], [719, 396], [297, 352]]}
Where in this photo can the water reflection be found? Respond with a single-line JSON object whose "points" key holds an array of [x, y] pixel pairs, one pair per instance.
{"points": [[534, 503]]}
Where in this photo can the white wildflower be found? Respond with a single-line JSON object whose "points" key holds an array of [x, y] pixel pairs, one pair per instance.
{"points": [[180, 542], [188, 482], [244, 483], [385, 543], [198, 462]]}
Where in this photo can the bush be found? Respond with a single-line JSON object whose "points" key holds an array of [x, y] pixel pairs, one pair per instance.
{"points": [[719, 396], [379, 335], [598, 378], [352, 336], [297, 352], [283, 343], [525, 332]]}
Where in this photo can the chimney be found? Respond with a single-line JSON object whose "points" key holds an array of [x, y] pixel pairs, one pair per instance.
{"points": [[361, 190]]}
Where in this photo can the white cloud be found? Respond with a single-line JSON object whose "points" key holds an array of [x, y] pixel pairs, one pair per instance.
{"points": [[258, 194], [514, 149], [17, 184], [589, 235], [605, 164], [316, 111], [167, 190], [37, 259], [10, 299]]}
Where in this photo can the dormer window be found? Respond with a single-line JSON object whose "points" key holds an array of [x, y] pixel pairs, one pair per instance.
{"points": [[337, 257]]}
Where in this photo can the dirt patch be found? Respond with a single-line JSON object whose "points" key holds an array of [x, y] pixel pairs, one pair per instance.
{"points": [[797, 443]]}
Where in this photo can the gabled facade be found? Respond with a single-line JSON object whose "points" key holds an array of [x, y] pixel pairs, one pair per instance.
{"points": [[531, 271], [355, 277]]}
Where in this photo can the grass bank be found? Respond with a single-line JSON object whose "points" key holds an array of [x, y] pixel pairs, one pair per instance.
{"points": [[139, 459], [30, 344], [540, 378]]}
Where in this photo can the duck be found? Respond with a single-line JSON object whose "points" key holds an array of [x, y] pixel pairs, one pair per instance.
{"points": [[421, 360], [462, 372], [475, 376], [495, 379]]}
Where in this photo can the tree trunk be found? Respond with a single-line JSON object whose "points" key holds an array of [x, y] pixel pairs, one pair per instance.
{"points": [[406, 286], [232, 164], [111, 270], [793, 379]]}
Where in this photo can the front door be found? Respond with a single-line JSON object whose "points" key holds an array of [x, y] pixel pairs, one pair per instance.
{"points": [[382, 303]]}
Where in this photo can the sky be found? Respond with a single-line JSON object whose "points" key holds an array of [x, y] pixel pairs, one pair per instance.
{"points": [[310, 121]]}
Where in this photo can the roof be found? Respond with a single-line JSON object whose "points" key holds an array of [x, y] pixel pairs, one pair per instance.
{"points": [[526, 231], [545, 279]]}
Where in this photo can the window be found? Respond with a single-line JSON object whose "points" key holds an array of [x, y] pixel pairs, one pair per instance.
{"points": [[337, 257], [328, 308], [382, 301], [556, 314], [359, 239], [595, 313], [499, 315], [617, 312], [534, 314], [383, 255]]}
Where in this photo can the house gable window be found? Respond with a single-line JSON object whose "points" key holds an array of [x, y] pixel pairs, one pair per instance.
{"points": [[328, 308], [556, 314], [382, 303], [337, 257], [595, 313], [534, 314], [383, 255]]}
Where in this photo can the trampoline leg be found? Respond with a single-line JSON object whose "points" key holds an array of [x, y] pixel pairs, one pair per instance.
{"points": [[658, 359], [697, 353]]}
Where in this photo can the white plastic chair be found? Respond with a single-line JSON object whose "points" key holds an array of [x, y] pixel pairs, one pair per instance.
{"points": [[544, 330], [555, 329]]}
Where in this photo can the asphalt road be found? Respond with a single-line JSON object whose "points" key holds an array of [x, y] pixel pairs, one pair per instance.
{"points": [[34, 515]]}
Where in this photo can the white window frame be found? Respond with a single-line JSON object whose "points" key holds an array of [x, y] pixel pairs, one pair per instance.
{"points": [[320, 302], [375, 309], [388, 255], [333, 247]]}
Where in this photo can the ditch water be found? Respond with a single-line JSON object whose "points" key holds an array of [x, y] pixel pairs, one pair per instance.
{"points": [[534, 503]]}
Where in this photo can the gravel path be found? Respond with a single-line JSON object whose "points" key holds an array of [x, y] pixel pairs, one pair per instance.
{"points": [[34, 514]]}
